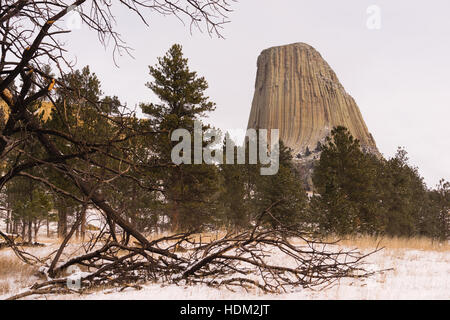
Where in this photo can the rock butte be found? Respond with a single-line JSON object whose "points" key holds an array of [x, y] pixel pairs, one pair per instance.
{"points": [[298, 93]]}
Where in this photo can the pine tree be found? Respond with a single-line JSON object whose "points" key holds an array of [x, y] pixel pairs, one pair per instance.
{"points": [[190, 190], [284, 191], [345, 179], [307, 152], [180, 90], [237, 190], [30, 204], [80, 118], [318, 147], [404, 196], [436, 221]]}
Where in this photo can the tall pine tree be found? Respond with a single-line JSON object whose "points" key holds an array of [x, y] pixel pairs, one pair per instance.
{"points": [[190, 190], [345, 178]]}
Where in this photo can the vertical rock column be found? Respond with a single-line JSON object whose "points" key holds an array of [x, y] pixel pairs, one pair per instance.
{"points": [[298, 93]]}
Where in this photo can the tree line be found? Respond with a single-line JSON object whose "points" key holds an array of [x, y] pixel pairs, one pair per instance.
{"points": [[128, 160]]}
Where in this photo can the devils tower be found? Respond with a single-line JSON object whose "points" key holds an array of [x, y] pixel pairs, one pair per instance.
{"points": [[297, 92]]}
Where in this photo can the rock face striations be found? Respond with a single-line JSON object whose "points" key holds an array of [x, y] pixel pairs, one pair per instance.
{"points": [[298, 93]]}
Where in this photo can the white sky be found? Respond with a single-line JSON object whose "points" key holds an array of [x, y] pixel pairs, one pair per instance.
{"points": [[399, 75]]}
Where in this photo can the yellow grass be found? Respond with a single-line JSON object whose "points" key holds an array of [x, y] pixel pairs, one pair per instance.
{"points": [[362, 242], [11, 267], [415, 243]]}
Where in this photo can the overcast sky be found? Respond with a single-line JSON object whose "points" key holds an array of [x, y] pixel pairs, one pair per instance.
{"points": [[399, 74]]}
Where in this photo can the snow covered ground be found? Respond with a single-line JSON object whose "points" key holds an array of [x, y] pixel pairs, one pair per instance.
{"points": [[416, 274]]}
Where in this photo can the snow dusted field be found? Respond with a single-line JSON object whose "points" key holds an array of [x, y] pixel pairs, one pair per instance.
{"points": [[415, 274]]}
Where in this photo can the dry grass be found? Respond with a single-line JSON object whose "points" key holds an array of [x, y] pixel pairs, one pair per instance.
{"points": [[4, 287], [13, 270], [362, 242], [416, 243], [13, 266]]}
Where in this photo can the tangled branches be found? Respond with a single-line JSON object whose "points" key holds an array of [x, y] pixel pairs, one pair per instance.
{"points": [[274, 261], [30, 31]]}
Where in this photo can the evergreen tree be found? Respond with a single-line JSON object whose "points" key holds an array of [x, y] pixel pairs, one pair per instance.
{"points": [[190, 190], [360, 193], [404, 196], [237, 189], [436, 221], [284, 191], [318, 147], [307, 152], [80, 118], [30, 205], [246, 193], [345, 179]]}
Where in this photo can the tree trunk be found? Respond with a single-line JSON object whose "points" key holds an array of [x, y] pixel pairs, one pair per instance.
{"points": [[83, 223], [24, 229], [30, 231], [37, 226], [175, 217], [48, 228], [77, 231], [62, 221], [8, 221]]}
